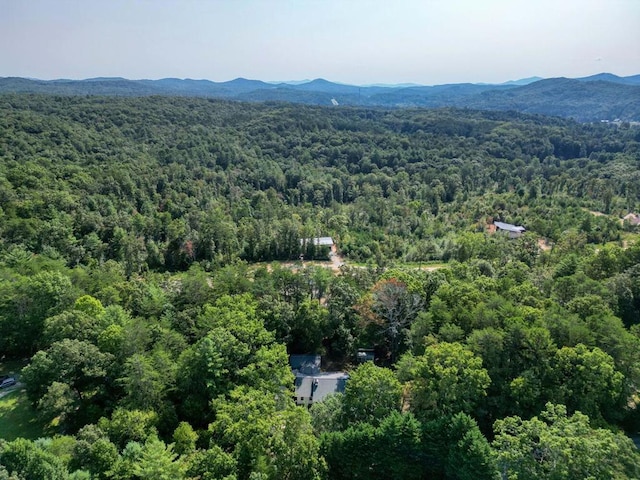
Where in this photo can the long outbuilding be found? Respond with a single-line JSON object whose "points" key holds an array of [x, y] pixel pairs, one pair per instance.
{"points": [[514, 231]]}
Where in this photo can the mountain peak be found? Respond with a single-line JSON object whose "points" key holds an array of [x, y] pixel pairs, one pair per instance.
{"points": [[523, 81]]}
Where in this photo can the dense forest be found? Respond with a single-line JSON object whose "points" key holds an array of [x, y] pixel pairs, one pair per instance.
{"points": [[151, 284]]}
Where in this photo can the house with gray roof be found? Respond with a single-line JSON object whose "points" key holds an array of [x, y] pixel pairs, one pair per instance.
{"points": [[311, 384]]}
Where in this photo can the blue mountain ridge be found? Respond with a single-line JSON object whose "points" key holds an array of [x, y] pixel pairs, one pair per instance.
{"points": [[603, 96]]}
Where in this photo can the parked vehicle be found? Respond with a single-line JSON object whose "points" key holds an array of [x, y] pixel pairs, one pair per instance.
{"points": [[7, 382]]}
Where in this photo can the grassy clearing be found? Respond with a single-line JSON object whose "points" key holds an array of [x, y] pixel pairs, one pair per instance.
{"points": [[17, 417], [430, 265], [421, 265]]}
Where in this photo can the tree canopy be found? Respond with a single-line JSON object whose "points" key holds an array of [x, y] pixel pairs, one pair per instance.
{"points": [[151, 285]]}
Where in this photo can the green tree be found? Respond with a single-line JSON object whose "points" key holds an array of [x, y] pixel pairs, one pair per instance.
{"points": [[556, 446], [28, 460], [390, 451], [25, 307], [59, 402], [158, 462], [142, 383], [531, 353], [309, 327], [74, 325], [267, 435], [446, 379], [209, 368], [326, 416], [89, 305], [268, 370], [371, 394], [239, 315], [238, 350], [587, 380], [94, 452], [469, 456], [212, 464], [454, 447], [79, 365], [184, 438], [126, 426]]}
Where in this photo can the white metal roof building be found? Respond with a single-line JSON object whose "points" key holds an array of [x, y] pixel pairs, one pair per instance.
{"points": [[508, 227], [318, 241], [514, 230]]}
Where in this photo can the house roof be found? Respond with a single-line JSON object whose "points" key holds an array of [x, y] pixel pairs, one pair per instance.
{"points": [[305, 364], [316, 387], [509, 227], [311, 384]]}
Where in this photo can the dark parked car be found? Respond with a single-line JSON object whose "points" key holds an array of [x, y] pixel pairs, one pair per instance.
{"points": [[7, 382]]}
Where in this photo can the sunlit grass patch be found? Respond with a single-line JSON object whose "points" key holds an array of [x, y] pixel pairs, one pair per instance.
{"points": [[18, 418]]}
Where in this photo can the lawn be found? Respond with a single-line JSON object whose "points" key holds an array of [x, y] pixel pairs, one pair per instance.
{"points": [[17, 418]]}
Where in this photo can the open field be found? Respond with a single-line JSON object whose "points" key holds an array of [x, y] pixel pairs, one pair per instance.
{"points": [[17, 417]]}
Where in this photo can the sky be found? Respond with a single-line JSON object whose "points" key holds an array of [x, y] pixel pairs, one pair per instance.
{"points": [[351, 41]]}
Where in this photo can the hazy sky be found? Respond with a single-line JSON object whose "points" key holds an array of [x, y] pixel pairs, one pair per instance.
{"points": [[352, 41]]}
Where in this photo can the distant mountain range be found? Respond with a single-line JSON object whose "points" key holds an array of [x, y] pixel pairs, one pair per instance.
{"points": [[599, 97]]}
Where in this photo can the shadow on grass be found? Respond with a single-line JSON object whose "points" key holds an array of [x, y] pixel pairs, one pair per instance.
{"points": [[18, 418]]}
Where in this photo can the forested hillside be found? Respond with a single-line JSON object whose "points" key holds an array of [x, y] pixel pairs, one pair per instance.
{"points": [[149, 279], [591, 99]]}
